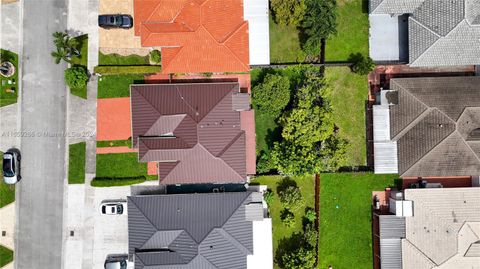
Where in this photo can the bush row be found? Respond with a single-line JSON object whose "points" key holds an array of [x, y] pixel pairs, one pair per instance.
{"points": [[117, 70]]}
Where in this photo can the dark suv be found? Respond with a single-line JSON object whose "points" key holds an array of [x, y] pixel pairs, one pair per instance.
{"points": [[115, 21]]}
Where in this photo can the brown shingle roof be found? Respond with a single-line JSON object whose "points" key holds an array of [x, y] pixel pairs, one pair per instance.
{"points": [[433, 124], [192, 130]]}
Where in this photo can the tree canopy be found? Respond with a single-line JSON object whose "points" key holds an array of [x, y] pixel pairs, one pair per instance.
{"points": [[272, 95], [319, 22], [288, 12]]}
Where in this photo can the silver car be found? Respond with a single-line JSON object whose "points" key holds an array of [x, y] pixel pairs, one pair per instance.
{"points": [[11, 166], [116, 262]]}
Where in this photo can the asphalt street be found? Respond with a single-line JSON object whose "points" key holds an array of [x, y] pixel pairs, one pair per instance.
{"points": [[40, 194]]}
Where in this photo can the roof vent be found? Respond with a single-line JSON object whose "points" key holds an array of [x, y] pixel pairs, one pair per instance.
{"points": [[474, 135]]}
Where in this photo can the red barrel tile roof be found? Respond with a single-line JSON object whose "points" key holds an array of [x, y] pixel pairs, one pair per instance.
{"points": [[195, 35]]}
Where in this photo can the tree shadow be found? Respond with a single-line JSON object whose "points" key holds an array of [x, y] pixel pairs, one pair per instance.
{"points": [[273, 135], [365, 7], [288, 245], [285, 183]]}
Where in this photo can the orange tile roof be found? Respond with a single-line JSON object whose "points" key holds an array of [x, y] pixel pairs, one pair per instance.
{"points": [[195, 35], [113, 119]]}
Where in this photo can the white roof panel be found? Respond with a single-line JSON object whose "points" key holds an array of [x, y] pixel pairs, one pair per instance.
{"points": [[256, 12]]}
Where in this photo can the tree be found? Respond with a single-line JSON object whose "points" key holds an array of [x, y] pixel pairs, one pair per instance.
{"points": [[310, 235], [272, 95], [66, 47], [290, 196], [287, 217], [76, 77], [264, 164], [310, 214], [319, 23], [361, 64], [299, 258], [288, 12], [155, 56], [309, 142]]}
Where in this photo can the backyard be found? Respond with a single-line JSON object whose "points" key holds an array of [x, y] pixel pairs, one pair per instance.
{"points": [[280, 230], [76, 163], [8, 97], [348, 102], [345, 218]]}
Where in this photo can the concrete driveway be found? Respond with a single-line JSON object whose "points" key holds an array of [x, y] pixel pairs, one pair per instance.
{"points": [[121, 41]]}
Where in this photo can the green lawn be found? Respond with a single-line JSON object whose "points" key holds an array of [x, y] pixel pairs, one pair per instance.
{"points": [[116, 59], [6, 256], [117, 85], [280, 231], [285, 44], [345, 218], [120, 165], [114, 143], [348, 101], [81, 60], [7, 98], [7, 194], [76, 163], [352, 31]]}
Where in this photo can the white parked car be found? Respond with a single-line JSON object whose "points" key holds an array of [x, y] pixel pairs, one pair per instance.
{"points": [[11, 166], [113, 207], [116, 262]]}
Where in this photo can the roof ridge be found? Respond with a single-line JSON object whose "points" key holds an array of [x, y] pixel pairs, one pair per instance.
{"points": [[161, 179], [148, 102], [235, 242], [412, 124], [221, 160], [230, 143], [419, 251], [131, 198], [433, 44]]}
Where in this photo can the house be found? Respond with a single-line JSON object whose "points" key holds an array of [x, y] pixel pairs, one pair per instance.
{"points": [[193, 231], [429, 228], [197, 36], [197, 132], [427, 127], [425, 32]]}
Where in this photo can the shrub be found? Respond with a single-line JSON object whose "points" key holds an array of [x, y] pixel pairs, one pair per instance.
{"points": [[155, 56], [310, 214], [360, 64], [76, 77], [272, 95], [116, 181], [287, 217], [290, 196], [268, 196], [288, 12], [299, 258], [264, 165], [310, 234], [117, 70]]}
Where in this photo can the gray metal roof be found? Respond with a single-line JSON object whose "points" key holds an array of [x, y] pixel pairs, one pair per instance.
{"points": [[391, 226], [391, 253], [435, 126], [193, 230], [441, 32]]}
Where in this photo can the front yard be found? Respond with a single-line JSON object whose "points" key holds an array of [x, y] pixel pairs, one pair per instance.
{"points": [[7, 194], [76, 163], [118, 169], [345, 218], [6, 256], [81, 60], [116, 59], [9, 86], [117, 85], [350, 92]]}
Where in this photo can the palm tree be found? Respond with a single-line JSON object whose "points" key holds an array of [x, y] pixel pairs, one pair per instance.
{"points": [[60, 54]]}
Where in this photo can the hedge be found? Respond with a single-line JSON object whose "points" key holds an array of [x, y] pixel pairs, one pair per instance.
{"points": [[116, 70], [121, 181]]}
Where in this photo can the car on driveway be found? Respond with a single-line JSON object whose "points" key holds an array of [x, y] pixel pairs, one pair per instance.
{"points": [[116, 262], [115, 21], [113, 207], [11, 166]]}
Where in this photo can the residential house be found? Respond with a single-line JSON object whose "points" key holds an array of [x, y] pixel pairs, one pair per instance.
{"points": [[200, 231], [197, 132], [431, 228], [425, 32], [198, 36], [427, 127]]}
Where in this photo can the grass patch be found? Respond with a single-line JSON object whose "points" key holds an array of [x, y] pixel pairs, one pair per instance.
{"points": [[76, 163], [352, 31], [7, 194], [116, 59], [280, 231], [345, 218], [117, 85], [348, 102], [114, 143], [6, 256], [285, 44], [7, 98], [120, 165], [266, 130], [81, 60]]}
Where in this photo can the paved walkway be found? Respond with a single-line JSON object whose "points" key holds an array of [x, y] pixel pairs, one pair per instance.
{"points": [[108, 150], [7, 224], [10, 23]]}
